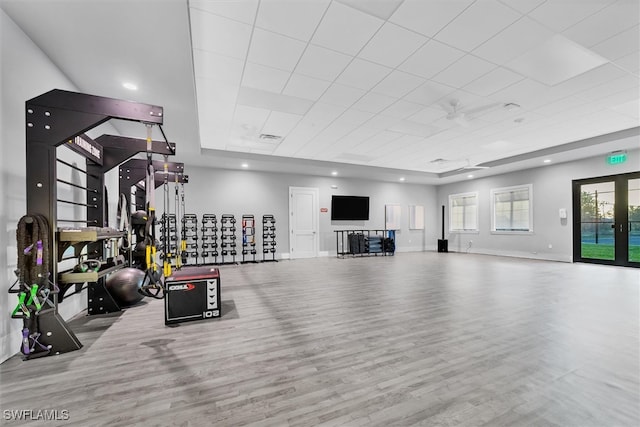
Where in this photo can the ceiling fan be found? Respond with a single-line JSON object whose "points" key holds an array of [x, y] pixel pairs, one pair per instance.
{"points": [[458, 113]]}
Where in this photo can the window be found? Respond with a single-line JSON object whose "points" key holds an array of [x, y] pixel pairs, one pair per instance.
{"points": [[463, 212], [512, 209]]}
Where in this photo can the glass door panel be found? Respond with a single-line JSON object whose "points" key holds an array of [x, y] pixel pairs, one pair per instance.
{"points": [[633, 204], [597, 226]]}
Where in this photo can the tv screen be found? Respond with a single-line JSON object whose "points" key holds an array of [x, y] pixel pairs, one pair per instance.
{"points": [[349, 208]]}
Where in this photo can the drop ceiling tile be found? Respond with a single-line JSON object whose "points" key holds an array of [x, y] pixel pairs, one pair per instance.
{"points": [[428, 17], [631, 109], [344, 96], [322, 63], [428, 115], [402, 109], [413, 128], [476, 24], [265, 78], [382, 9], [493, 81], [560, 106], [250, 118], [280, 124], [305, 87], [382, 138], [374, 102], [592, 78], [274, 50], [608, 22], [291, 18], [429, 93], [363, 74], [430, 59], [560, 15], [513, 41], [528, 93], [345, 29], [620, 45], [630, 62], [523, 6], [627, 83], [273, 101], [398, 84], [464, 71], [220, 35], [391, 45], [210, 65], [322, 114], [243, 11], [556, 60]]}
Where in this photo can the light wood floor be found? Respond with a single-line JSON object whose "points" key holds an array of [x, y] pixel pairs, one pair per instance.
{"points": [[416, 339]]}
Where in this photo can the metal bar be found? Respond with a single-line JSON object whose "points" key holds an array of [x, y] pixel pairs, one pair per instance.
{"points": [[76, 203], [76, 220], [172, 149], [75, 167], [76, 185]]}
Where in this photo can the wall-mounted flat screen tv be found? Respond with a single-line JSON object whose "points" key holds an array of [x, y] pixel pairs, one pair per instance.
{"points": [[349, 208]]}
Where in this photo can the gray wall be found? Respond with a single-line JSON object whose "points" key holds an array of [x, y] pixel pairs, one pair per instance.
{"points": [[551, 191], [241, 192]]}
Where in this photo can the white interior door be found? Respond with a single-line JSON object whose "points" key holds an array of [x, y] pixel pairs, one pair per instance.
{"points": [[303, 222]]}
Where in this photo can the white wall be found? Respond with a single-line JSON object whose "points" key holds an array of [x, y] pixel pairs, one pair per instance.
{"points": [[218, 191], [26, 73], [551, 191]]}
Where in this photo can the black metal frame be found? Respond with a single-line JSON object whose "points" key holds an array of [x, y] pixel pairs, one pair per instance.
{"points": [[53, 119], [342, 241]]}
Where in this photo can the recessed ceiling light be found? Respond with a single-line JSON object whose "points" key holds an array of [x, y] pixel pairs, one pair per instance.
{"points": [[130, 86], [469, 176], [402, 178], [546, 161], [244, 165], [334, 173]]}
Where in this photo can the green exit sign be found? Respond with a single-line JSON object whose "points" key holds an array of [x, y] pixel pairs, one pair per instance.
{"points": [[616, 158]]}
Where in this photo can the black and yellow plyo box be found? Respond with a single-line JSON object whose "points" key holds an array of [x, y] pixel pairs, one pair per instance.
{"points": [[192, 293]]}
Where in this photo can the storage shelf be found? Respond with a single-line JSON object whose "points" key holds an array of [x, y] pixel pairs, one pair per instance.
{"points": [[88, 276]]}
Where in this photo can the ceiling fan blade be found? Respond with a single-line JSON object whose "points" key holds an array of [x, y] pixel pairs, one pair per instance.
{"points": [[482, 109]]}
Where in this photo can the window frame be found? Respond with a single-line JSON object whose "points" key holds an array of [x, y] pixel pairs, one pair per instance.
{"points": [[501, 190], [477, 205]]}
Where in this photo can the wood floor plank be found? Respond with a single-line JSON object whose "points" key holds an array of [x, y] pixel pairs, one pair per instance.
{"points": [[414, 339]]}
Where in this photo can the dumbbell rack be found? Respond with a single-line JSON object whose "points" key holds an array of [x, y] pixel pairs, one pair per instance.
{"points": [[190, 237], [228, 238], [269, 238], [170, 247], [209, 230], [248, 238]]}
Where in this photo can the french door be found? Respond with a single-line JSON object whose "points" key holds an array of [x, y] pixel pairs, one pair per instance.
{"points": [[606, 220]]}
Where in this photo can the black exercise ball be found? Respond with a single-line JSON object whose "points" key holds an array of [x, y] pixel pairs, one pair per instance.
{"points": [[123, 286]]}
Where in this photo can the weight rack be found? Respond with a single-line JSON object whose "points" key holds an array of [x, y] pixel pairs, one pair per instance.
{"points": [[269, 238], [248, 238], [168, 230], [190, 237], [209, 230], [228, 238]]}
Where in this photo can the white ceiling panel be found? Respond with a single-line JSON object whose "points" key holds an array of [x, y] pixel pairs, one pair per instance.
{"points": [[428, 115], [250, 118], [631, 62], [345, 29], [518, 38], [398, 84], [273, 101], [374, 102], [210, 65], [280, 124], [620, 45], [220, 35], [495, 80], [412, 128], [595, 77], [560, 15], [275, 16], [430, 59], [428, 17], [429, 93], [608, 22], [322, 63], [463, 71], [265, 78], [391, 45], [628, 84], [382, 9], [402, 109], [243, 11], [479, 22], [523, 6], [305, 87], [274, 50], [344, 96], [363, 74], [556, 60]]}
